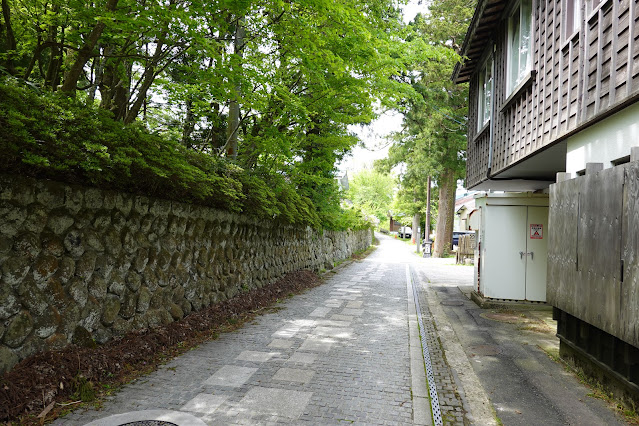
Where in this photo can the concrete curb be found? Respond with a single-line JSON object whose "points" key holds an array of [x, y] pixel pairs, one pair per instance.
{"points": [[480, 409], [419, 389]]}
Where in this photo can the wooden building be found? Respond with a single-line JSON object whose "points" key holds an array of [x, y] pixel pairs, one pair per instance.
{"points": [[553, 108], [541, 74]]}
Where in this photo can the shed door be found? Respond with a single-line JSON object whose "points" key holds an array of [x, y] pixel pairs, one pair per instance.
{"points": [[537, 244], [504, 269], [515, 253]]}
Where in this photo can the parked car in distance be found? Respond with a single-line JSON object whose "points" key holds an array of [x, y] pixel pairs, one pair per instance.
{"points": [[457, 234], [405, 232]]}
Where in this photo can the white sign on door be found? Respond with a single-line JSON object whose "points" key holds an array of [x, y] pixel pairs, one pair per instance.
{"points": [[536, 231]]}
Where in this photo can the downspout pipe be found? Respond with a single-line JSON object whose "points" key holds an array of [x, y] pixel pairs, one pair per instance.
{"points": [[493, 111]]}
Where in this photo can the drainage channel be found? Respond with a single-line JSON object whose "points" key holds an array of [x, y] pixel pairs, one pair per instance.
{"points": [[432, 388]]}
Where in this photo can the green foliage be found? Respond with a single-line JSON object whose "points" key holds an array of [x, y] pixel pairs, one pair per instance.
{"points": [[83, 389], [350, 218], [433, 140], [58, 138], [302, 73], [372, 192]]}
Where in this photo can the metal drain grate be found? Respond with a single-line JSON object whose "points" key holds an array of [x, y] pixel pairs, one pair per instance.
{"points": [[432, 388]]}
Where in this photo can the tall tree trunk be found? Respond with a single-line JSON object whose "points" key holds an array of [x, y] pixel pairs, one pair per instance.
{"points": [[115, 85], [119, 89], [428, 201], [446, 215], [34, 58], [189, 125], [11, 40], [70, 83], [53, 69], [147, 80], [97, 79], [234, 105]]}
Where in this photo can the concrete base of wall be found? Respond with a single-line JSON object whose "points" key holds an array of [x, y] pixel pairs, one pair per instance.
{"points": [[622, 390], [603, 357], [489, 303]]}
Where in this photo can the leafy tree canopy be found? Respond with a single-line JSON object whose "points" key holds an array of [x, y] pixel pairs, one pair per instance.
{"points": [[432, 142], [372, 192], [274, 83]]}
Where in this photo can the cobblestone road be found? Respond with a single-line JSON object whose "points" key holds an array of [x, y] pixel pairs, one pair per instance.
{"points": [[337, 354], [348, 352]]}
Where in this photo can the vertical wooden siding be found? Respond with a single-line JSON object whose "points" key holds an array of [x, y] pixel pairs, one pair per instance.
{"points": [[575, 80], [593, 262], [477, 150]]}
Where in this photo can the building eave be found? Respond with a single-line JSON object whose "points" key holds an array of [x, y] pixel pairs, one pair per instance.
{"points": [[481, 30]]}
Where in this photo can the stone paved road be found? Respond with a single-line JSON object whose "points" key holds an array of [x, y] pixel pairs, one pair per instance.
{"points": [[342, 354], [337, 354]]}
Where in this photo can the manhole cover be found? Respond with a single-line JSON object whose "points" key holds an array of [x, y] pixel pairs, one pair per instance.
{"points": [[452, 303], [149, 423], [485, 350], [504, 317]]}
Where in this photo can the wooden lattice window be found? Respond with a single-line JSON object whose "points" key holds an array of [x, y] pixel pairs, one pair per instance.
{"points": [[572, 17], [485, 98], [519, 44]]}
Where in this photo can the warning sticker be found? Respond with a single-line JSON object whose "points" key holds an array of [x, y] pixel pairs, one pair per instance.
{"points": [[536, 231]]}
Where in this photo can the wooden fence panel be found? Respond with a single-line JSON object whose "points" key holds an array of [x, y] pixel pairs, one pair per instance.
{"points": [[593, 257], [562, 245], [599, 249], [629, 297]]}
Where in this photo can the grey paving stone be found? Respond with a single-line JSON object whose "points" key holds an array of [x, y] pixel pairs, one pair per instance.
{"points": [[302, 358], [349, 290], [317, 344], [339, 317], [293, 375], [255, 356], [281, 344], [286, 332], [332, 323], [276, 402], [320, 311], [204, 403], [356, 312], [336, 332], [230, 375]]}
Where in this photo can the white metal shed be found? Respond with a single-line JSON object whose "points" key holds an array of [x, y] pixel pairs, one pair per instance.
{"points": [[511, 253]]}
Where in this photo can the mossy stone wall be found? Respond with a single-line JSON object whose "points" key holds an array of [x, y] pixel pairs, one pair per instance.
{"points": [[80, 264]]}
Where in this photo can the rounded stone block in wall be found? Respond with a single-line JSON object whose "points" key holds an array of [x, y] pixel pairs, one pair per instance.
{"points": [[80, 265]]}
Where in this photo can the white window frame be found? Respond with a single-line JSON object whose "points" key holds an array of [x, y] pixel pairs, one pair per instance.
{"points": [[519, 64], [572, 18], [486, 91]]}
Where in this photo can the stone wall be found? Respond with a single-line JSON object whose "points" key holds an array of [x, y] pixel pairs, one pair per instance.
{"points": [[79, 263]]}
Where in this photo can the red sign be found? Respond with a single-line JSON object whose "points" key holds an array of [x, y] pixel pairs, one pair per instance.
{"points": [[536, 231]]}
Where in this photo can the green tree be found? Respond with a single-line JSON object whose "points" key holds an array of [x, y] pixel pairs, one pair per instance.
{"points": [[277, 82], [432, 142], [372, 192]]}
